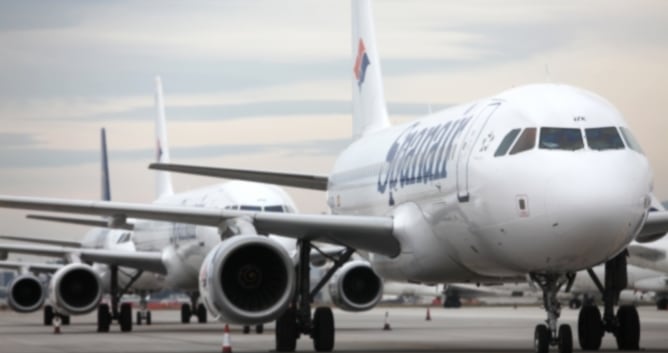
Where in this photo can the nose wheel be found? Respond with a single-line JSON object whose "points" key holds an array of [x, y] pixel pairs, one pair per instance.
{"points": [[550, 333]]}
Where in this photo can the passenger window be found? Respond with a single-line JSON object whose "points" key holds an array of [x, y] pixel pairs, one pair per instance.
{"points": [[604, 138], [274, 208], [525, 142], [560, 139], [630, 140], [250, 208], [506, 143]]}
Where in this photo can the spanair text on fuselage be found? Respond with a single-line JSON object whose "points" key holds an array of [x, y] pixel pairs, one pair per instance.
{"points": [[464, 211]]}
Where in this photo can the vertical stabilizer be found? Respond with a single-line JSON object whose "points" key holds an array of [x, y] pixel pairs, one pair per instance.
{"points": [[163, 180], [104, 186], [369, 107]]}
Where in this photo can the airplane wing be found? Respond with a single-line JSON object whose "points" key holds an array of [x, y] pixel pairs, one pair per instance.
{"points": [[655, 227], [645, 253], [304, 181], [148, 261], [368, 233], [72, 244], [99, 223], [35, 267]]}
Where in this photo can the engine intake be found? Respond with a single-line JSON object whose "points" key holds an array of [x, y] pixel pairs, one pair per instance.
{"points": [[76, 289], [356, 287], [26, 294], [247, 280]]}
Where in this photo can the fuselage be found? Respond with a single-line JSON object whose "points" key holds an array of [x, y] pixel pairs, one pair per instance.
{"points": [[541, 178], [184, 246]]}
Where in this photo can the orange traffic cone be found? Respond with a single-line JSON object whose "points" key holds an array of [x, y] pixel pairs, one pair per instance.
{"points": [[227, 347], [56, 324], [387, 327], [428, 317]]}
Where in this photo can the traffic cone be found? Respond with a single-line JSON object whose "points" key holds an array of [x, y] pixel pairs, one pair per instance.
{"points": [[227, 347], [387, 327], [428, 317], [56, 324]]}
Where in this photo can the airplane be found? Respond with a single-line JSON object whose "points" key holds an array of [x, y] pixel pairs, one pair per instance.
{"points": [[540, 180]]}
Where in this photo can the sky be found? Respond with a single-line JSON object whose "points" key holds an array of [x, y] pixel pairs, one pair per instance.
{"points": [[266, 85]]}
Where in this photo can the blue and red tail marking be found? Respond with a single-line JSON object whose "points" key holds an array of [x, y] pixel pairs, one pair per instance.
{"points": [[361, 63]]}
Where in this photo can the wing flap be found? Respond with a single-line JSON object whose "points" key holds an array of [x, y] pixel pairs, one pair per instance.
{"points": [[34, 267], [303, 181], [72, 244], [82, 221]]}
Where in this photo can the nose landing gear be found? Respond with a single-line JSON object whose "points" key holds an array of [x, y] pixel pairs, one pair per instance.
{"points": [[550, 334]]}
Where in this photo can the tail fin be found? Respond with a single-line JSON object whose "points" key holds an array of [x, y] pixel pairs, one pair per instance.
{"points": [[105, 186], [369, 108], [163, 180]]}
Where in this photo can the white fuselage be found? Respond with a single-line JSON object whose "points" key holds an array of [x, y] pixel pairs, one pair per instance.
{"points": [[463, 214], [184, 246]]}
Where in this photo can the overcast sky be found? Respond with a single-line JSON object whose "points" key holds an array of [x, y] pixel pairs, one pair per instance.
{"points": [[265, 84]]}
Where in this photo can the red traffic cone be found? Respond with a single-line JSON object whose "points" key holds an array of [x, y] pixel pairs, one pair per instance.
{"points": [[387, 327], [56, 324], [428, 317], [227, 347]]}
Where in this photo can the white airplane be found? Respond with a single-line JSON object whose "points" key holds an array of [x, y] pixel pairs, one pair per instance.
{"points": [[540, 180], [144, 256]]}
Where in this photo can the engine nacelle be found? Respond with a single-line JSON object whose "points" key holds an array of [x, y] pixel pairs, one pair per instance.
{"points": [[356, 287], [247, 280], [26, 294], [76, 289]]}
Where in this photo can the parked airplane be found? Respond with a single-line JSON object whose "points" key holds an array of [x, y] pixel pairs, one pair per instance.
{"points": [[540, 180]]}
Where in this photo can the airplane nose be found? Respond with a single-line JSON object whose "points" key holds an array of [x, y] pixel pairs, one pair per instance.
{"points": [[595, 209]]}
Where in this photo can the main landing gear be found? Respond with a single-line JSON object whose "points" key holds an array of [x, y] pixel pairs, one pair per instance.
{"points": [[143, 314], [297, 319], [187, 312], [625, 326], [124, 317], [551, 335]]}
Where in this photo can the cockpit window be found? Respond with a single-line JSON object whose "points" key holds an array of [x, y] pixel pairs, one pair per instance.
{"points": [[630, 140], [560, 139], [273, 208], [525, 142], [124, 238], [250, 208], [506, 143], [604, 138]]}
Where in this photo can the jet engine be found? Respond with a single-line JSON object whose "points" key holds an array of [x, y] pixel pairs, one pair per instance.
{"points": [[247, 280], [26, 294], [76, 289], [356, 287]]}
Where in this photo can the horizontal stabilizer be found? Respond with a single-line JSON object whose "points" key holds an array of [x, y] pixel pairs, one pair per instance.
{"points": [[82, 221], [303, 181]]}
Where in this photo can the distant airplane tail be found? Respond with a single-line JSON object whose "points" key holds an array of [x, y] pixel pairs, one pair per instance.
{"points": [[105, 187], [163, 180], [369, 107]]}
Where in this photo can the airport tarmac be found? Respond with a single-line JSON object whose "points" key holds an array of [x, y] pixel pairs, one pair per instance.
{"points": [[469, 329]]}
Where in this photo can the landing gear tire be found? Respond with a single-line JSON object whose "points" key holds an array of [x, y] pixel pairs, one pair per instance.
{"points": [[185, 313], [125, 318], [48, 315], [246, 329], [590, 328], [259, 329], [103, 318], [138, 315], [286, 331], [148, 317], [662, 304], [565, 340], [628, 332], [541, 339], [66, 319], [323, 330], [201, 314]]}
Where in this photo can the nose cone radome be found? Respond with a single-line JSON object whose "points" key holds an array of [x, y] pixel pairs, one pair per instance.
{"points": [[594, 210]]}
